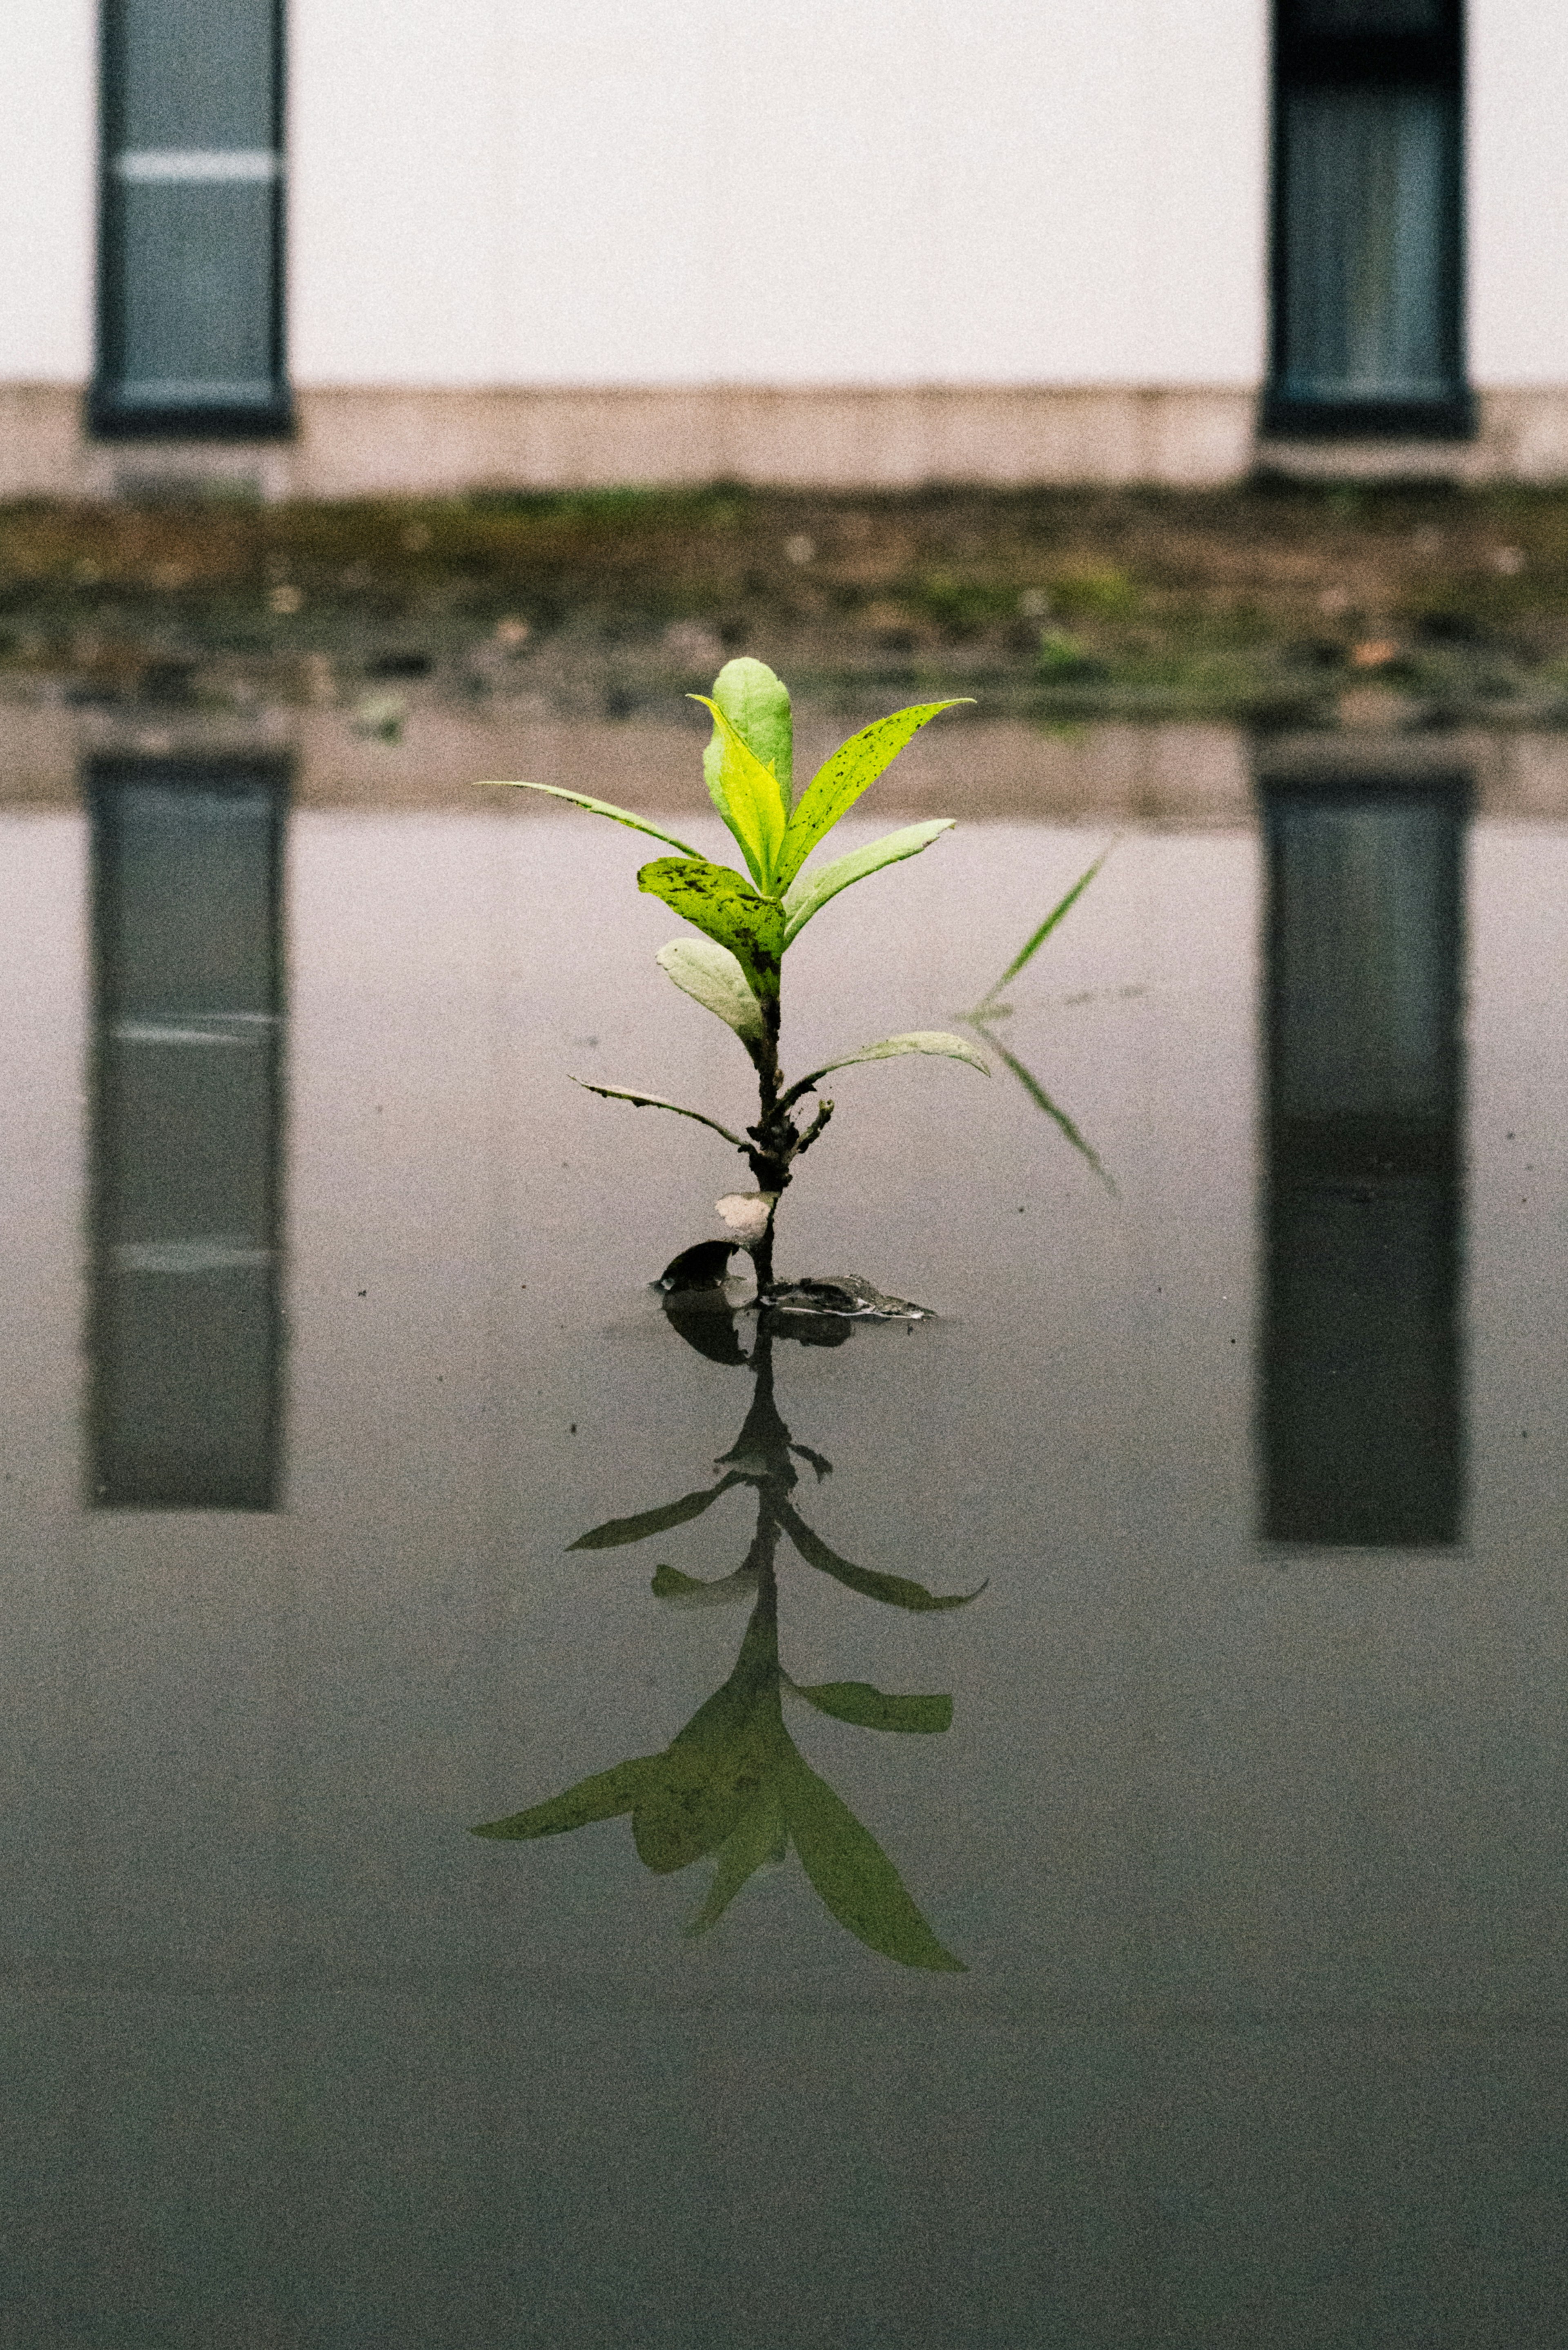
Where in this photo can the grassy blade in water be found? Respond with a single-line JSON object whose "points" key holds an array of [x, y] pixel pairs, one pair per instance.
{"points": [[870, 1709], [840, 780], [712, 976], [894, 1590], [617, 1532], [758, 1838], [717, 901], [753, 798], [604, 1797], [756, 704], [1042, 1100], [854, 1876], [809, 893], [890, 1048], [988, 1000], [657, 1101], [594, 807]]}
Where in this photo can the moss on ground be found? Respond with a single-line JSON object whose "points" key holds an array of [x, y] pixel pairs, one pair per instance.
{"points": [[1266, 599]]}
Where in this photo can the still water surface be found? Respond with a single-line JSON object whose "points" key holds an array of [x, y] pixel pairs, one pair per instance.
{"points": [[1203, 1982]]}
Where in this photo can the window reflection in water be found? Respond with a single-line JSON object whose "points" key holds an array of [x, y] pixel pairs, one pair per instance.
{"points": [[1362, 1377], [186, 867]]}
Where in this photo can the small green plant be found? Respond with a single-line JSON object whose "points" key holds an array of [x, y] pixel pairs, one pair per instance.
{"points": [[749, 921]]}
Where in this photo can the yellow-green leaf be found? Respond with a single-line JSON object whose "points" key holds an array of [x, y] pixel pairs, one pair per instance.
{"points": [[809, 893], [725, 908], [840, 780], [756, 704], [749, 797]]}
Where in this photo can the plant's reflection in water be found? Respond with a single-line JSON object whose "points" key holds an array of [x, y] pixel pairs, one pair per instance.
{"points": [[732, 1785]]}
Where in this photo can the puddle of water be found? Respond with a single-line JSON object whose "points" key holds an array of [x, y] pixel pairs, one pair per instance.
{"points": [[1246, 1830]]}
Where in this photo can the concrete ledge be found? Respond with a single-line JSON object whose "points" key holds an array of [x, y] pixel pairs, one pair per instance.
{"points": [[403, 441]]}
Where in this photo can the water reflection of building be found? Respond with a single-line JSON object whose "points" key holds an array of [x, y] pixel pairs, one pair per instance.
{"points": [[1361, 1406], [185, 1324]]}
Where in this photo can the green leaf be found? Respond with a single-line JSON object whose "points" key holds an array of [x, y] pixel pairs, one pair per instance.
{"points": [[869, 1709], [809, 893], [854, 1876], [1041, 934], [604, 1797], [594, 807], [712, 976], [713, 1770], [756, 704], [1042, 1100], [615, 1531], [840, 780], [717, 901], [758, 1838], [894, 1590], [749, 797], [655, 1101], [918, 1040], [669, 1582]]}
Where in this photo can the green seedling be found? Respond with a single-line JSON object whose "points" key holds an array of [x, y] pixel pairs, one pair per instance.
{"points": [[748, 921]]}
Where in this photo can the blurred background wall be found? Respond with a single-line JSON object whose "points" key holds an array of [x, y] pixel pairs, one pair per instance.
{"points": [[511, 243]]}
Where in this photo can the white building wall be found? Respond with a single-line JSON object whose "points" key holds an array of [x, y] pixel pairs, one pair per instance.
{"points": [[1518, 191], [49, 188], [717, 190], [823, 240]]}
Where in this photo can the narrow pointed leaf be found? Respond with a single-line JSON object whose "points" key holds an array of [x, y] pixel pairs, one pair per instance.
{"points": [[840, 780], [616, 1531], [657, 1101], [695, 1591], [750, 798], [758, 1838], [604, 1797], [1042, 1100], [1063, 906], [919, 1040], [726, 908], [870, 1709], [855, 1877], [594, 807], [710, 976], [809, 893], [894, 1590], [756, 704]]}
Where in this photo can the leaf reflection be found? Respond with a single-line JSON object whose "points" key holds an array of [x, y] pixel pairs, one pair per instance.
{"points": [[731, 1786]]}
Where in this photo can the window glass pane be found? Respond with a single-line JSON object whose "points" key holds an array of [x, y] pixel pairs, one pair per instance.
{"points": [[186, 1305], [1366, 175], [196, 73], [197, 279], [1364, 960], [1361, 1418]]}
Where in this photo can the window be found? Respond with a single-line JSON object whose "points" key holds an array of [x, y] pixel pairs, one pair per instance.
{"points": [[1368, 219], [1361, 1406], [185, 1345], [190, 271]]}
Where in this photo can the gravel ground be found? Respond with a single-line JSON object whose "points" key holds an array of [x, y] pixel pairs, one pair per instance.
{"points": [[1271, 605]]}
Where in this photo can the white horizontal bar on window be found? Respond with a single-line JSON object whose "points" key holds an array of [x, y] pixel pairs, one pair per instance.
{"points": [[182, 391], [219, 1254], [184, 164]]}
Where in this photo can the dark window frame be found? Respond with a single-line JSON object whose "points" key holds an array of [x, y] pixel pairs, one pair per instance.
{"points": [[1303, 60], [109, 416], [104, 776]]}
